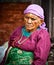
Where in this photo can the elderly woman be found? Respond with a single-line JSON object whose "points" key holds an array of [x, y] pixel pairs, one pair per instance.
{"points": [[30, 44]]}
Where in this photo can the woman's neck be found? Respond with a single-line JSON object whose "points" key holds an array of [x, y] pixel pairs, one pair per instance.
{"points": [[30, 31]]}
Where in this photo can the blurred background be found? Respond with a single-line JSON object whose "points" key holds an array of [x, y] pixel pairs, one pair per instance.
{"points": [[11, 16]]}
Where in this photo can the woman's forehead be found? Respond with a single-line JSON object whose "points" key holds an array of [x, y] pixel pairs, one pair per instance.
{"points": [[31, 15]]}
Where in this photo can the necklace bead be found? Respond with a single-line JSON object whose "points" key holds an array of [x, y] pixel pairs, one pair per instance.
{"points": [[20, 42]]}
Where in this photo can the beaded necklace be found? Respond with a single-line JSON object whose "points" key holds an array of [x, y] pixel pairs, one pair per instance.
{"points": [[24, 33], [20, 42]]}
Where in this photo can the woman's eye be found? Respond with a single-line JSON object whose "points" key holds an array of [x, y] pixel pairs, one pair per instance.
{"points": [[33, 19], [26, 17]]}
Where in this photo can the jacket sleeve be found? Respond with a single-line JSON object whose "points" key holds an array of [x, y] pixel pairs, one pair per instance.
{"points": [[42, 49]]}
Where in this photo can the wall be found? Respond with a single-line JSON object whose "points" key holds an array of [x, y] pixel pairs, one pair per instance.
{"points": [[11, 16]]}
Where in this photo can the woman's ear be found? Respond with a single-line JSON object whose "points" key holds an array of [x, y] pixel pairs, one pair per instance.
{"points": [[40, 22]]}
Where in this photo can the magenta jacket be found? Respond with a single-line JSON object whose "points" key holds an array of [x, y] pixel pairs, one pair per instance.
{"points": [[38, 43]]}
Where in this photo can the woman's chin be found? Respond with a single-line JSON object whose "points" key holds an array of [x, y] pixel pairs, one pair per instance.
{"points": [[30, 29]]}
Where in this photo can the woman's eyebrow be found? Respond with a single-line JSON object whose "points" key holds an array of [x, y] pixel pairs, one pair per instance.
{"points": [[31, 17]]}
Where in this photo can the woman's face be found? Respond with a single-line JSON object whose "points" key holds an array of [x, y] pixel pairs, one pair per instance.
{"points": [[31, 22]]}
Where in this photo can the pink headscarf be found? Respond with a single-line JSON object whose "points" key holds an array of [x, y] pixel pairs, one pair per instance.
{"points": [[38, 11], [35, 9]]}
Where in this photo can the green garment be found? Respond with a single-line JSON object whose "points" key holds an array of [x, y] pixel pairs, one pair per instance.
{"points": [[17, 56]]}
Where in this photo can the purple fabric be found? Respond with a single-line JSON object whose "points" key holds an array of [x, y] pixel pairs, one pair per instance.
{"points": [[35, 9], [43, 26], [38, 43]]}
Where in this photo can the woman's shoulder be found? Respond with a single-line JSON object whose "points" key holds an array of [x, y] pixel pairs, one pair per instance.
{"points": [[17, 31], [40, 33], [43, 33]]}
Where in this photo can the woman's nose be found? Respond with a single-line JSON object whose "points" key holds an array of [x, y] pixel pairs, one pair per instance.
{"points": [[29, 21]]}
